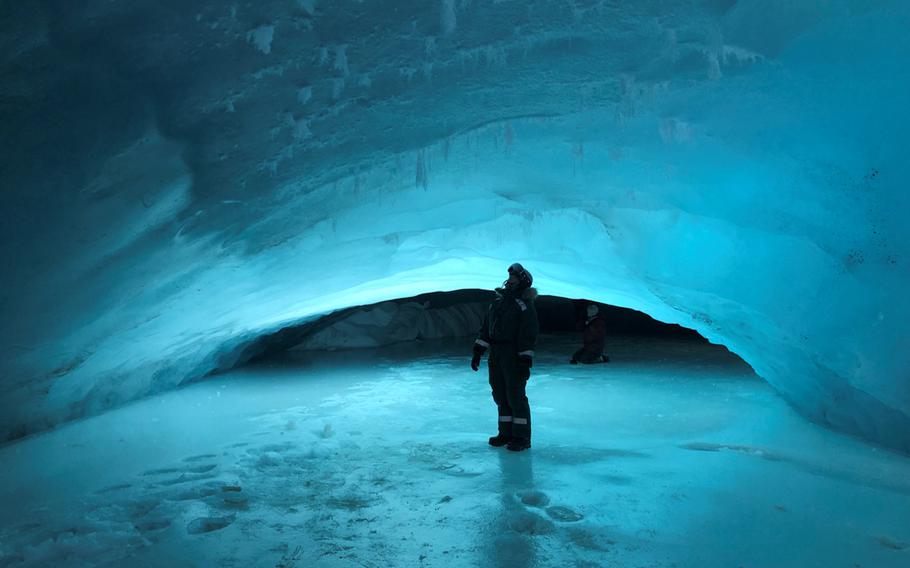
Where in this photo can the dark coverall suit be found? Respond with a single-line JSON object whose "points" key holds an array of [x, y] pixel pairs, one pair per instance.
{"points": [[510, 331]]}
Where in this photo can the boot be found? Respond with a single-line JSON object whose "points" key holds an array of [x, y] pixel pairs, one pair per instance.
{"points": [[499, 440], [518, 444]]}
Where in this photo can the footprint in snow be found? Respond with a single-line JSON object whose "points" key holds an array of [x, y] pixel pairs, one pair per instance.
{"points": [[200, 457], [564, 514], [533, 498], [208, 524]]}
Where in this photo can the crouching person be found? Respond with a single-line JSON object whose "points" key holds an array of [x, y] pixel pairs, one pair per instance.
{"points": [[595, 335]]}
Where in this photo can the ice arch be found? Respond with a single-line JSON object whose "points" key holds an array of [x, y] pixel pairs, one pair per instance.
{"points": [[179, 177]]}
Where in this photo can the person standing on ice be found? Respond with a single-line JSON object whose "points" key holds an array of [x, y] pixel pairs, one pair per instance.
{"points": [[509, 331], [595, 334]]}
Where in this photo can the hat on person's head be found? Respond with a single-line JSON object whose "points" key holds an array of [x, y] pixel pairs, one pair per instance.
{"points": [[524, 277]]}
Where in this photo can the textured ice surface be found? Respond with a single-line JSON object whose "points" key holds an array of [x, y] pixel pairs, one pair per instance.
{"points": [[180, 177], [674, 455]]}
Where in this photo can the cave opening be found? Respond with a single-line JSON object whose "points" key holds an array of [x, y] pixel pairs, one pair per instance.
{"points": [[455, 316]]}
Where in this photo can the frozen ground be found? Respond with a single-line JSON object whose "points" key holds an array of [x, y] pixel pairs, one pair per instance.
{"points": [[673, 455]]}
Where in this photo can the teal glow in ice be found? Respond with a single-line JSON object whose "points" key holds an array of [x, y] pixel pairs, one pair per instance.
{"points": [[181, 179]]}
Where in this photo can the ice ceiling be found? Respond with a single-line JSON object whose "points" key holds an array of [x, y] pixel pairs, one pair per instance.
{"points": [[179, 177]]}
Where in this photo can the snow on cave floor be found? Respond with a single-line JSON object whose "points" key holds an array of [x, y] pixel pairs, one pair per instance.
{"points": [[675, 454]]}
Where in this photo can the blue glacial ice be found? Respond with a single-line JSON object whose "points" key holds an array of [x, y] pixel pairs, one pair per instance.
{"points": [[181, 178]]}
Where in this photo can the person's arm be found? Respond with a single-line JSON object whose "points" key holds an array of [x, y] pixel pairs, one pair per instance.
{"points": [[481, 343], [527, 335]]}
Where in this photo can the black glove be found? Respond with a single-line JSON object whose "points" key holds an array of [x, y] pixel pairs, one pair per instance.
{"points": [[524, 367], [475, 360]]}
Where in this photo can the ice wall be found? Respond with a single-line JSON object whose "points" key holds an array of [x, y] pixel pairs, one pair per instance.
{"points": [[180, 177]]}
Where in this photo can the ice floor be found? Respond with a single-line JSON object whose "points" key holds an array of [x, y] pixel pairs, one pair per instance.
{"points": [[675, 454]]}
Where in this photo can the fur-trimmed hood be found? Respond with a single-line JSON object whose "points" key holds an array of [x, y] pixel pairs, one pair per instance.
{"points": [[529, 294]]}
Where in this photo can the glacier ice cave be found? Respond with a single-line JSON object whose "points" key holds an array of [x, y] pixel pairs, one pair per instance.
{"points": [[239, 242]]}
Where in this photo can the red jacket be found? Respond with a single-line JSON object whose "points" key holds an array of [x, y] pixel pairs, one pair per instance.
{"points": [[595, 334]]}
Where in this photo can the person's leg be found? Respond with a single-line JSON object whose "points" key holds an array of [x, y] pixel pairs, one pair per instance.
{"points": [[587, 357], [500, 397], [576, 355], [518, 402]]}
